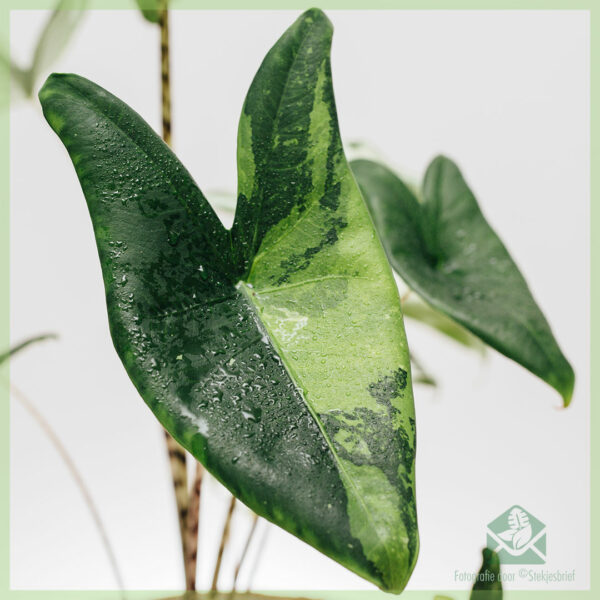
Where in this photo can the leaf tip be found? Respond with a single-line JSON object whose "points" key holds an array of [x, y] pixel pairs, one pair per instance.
{"points": [[53, 84], [315, 14], [46, 89], [396, 568], [51, 88], [315, 17], [439, 162], [566, 386]]}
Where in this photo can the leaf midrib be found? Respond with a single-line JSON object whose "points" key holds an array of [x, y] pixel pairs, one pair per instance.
{"points": [[287, 286], [242, 286]]}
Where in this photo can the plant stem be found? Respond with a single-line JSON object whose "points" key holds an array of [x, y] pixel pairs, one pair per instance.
{"points": [[76, 475], [165, 72], [192, 524], [244, 552], [257, 557], [224, 539], [177, 460], [177, 456]]}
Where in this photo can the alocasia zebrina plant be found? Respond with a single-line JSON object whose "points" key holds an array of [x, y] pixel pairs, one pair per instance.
{"points": [[274, 352], [444, 249]]}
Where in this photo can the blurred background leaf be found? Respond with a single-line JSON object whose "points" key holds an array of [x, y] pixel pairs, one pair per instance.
{"points": [[150, 9], [24, 344], [53, 39], [445, 250], [420, 373], [416, 309]]}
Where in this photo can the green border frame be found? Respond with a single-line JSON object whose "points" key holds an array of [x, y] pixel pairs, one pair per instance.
{"points": [[7, 5]]}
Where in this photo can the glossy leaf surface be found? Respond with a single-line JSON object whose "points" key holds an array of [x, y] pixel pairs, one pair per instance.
{"points": [[447, 252], [275, 351]]}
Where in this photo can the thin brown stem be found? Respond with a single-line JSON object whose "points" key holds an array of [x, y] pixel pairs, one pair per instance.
{"points": [[77, 478], [165, 72], [177, 461], [238, 567], [257, 557], [177, 457], [192, 525], [223, 544]]}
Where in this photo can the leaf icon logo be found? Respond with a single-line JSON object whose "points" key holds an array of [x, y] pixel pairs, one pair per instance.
{"points": [[518, 536], [519, 532], [522, 537]]}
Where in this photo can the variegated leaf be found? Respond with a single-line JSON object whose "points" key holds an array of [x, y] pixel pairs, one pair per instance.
{"points": [[274, 352]]}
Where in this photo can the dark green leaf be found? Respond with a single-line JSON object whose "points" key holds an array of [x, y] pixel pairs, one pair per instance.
{"points": [[274, 352], [21, 346], [488, 585], [445, 250]]}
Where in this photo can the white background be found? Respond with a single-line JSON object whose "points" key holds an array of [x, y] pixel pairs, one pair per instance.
{"points": [[503, 93]]}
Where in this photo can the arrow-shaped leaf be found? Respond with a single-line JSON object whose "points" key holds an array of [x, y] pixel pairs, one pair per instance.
{"points": [[447, 252], [274, 352]]}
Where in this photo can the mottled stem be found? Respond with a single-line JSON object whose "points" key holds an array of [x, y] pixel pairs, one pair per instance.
{"points": [[224, 540], [177, 460], [192, 524], [77, 478], [165, 72], [177, 456], [244, 552]]}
